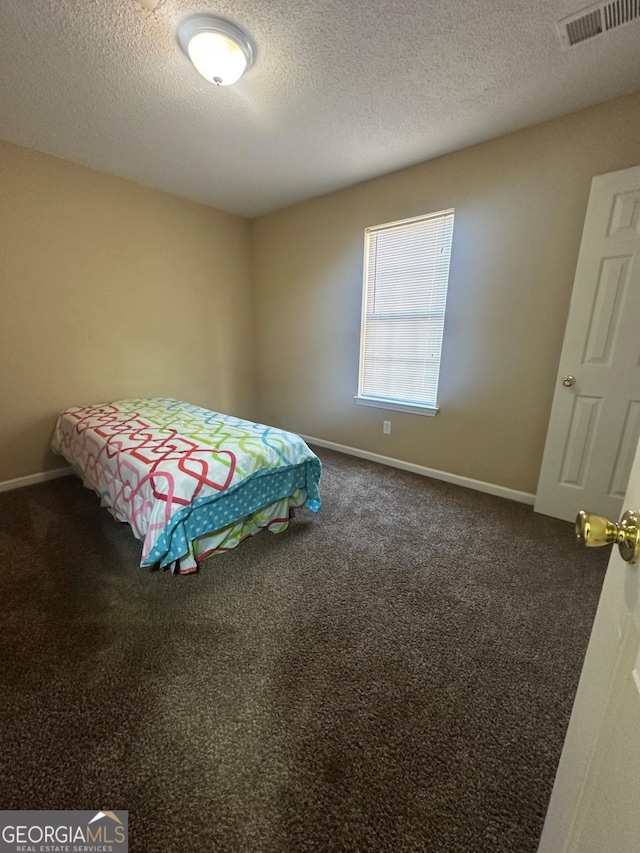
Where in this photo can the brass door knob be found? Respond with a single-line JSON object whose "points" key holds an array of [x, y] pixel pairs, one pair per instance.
{"points": [[568, 381], [594, 531]]}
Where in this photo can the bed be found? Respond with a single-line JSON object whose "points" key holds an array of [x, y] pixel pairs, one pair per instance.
{"points": [[189, 482]]}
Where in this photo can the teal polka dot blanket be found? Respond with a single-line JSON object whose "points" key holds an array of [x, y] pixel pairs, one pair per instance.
{"points": [[190, 482]]}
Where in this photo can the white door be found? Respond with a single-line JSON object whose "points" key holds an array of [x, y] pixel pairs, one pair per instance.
{"points": [[595, 805], [595, 417]]}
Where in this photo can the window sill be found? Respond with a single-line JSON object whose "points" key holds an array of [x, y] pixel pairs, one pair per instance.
{"points": [[391, 405]]}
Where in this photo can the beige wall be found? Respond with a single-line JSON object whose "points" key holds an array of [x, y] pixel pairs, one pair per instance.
{"points": [[520, 203], [110, 290]]}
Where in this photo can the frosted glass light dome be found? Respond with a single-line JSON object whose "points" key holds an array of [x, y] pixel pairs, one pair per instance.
{"points": [[219, 50]]}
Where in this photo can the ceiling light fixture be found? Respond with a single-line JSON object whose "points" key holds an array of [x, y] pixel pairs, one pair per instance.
{"points": [[220, 50]]}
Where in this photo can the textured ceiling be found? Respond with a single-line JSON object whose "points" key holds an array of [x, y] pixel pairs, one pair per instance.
{"points": [[342, 90]]}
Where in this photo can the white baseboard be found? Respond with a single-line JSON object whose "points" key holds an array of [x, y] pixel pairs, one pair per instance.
{"points": [[456, 479], [32, 479]]}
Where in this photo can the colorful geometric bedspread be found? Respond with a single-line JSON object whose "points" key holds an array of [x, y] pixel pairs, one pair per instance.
{"points": [[187, 480]]}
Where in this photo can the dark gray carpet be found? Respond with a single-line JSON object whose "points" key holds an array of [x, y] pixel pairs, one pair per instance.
{"points": [[395, 674]]}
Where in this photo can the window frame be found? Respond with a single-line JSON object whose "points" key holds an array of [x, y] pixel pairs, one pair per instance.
{"points": [[409, 406]]}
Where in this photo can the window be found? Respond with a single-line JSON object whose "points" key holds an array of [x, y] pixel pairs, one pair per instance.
{"points": [[406, 272]]}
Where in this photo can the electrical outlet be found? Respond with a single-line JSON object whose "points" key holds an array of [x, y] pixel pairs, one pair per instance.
{"points": [[386, 427]]}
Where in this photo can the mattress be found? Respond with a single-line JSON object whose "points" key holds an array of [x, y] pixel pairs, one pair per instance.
{"points": [[190, 482]]}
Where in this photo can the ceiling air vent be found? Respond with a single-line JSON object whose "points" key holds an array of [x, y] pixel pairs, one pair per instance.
{"points": [[597, 19]]}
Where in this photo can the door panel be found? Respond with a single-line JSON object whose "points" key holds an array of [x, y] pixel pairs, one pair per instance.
{"points": [[625, 214], [582, 429], [626, 449], [604, 320]]}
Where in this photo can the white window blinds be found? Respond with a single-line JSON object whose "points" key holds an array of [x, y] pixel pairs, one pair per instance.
{"points": [[405, 293]]}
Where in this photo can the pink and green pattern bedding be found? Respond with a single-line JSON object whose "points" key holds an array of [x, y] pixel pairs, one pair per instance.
{"points": [[190, 482]]}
